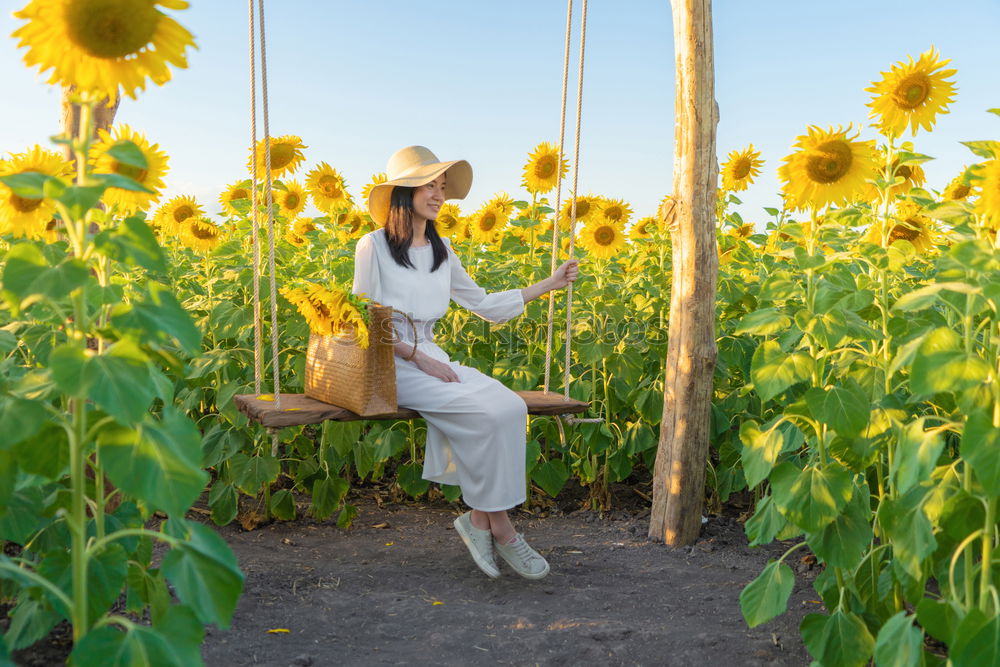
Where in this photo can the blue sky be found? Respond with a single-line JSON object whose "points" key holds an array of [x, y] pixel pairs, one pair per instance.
{"points": [[481, 81]]}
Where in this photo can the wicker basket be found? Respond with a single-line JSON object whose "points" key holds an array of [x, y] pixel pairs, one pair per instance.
{"points": [[340, 372]]}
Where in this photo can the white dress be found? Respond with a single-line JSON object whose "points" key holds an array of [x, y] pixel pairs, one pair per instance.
{"points": [[475, 428]]}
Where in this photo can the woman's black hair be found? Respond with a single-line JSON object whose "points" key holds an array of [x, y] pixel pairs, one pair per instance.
{"points": [[399, 230]]}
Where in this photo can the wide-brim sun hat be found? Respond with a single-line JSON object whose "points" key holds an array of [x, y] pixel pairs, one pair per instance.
{"points": [[412, 167]]}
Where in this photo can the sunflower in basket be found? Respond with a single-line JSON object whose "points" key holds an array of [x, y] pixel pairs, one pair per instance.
{"points": [[330, 310]]}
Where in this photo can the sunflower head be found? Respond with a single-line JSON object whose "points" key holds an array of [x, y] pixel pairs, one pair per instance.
{"points": [[988, 188], [912, 94], [200, 234], [740, 169], [329, 310], [544, 169], [352, 224], [291, 200], [487, 224], [103, 46], [449, 220], [602, 239], [828, 167], [908, 223], [643, 229], [303, 226], [377, 179], [587, 208], [124, 139], [286, 155], [616, 211], [174, 213], [237, 192], [327, 187], [27, 216], [958, 189], [503, 202]]}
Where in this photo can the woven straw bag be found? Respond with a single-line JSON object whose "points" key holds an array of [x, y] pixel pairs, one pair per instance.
{"points": [[340, 372]]}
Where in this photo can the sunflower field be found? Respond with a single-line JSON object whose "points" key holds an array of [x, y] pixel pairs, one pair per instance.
{"points": [[857, 390]]}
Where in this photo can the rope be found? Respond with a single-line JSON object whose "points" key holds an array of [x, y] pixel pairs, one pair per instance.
{"points": [[572, 228], [257, 344], [275, 368], [555, 225]]}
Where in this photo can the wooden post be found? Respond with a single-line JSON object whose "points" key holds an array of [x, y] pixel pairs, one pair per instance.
{"points": [[679, 473], [104, 117]]}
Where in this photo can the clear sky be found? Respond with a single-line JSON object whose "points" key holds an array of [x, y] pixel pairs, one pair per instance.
{"points": [[481, 81]]}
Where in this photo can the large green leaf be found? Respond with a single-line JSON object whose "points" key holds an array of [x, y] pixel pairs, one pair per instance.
{"points": [[223, 500], [204, 573], [256, 472], [409, 476], [157, 462], [8, 478], [981, 449], [773, 370], [765, 524], [106, 572], [159, 315], [843, 542], [21, 419], [132, 243], [916, 455], [845, 409], [977, 640], [841, 639], [942, 364], [327, 495], [827, 329], [67, 366], [813, 497], [905, 523], [23, 515], [939, 618], [767, 596], [763, 322], [138, 647], [28, 273], [120, 382], [899, 643], [760, 451], [551, 476]]}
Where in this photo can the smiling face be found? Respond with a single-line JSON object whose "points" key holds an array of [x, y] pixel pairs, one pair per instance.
{"points": [[428, 198]]}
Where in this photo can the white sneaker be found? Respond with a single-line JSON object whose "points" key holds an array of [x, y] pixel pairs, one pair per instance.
{"points": [[480, 544], [526, 561]]}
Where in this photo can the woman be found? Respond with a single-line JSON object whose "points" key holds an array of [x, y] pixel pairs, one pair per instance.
{"points": [[475, 425]]}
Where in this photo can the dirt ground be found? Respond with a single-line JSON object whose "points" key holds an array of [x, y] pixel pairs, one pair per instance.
{"points": [[399, 588]]}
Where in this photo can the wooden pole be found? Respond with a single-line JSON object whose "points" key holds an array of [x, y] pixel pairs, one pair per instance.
{"points": [[679, 473], [104, 117]]}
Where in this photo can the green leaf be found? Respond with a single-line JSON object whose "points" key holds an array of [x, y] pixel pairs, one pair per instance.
{"points": [[841, 639], [977, 640], [844, 409], [763, 322], [141, 645], [159, 315], [767, 596], [984, 149], [8, 479], [551, 476], [942, 365], [157, 462], [46, 453], [260, 470], [939, 618], [67, 366], [106, 572], [132, 243], [773, 370], [760, 451], [204, 574], [899, 643], [121, 182], [981, 449], [906, 525], [27, 273], [409, 477], [765, 524], [21, 419], [283, 504], [843, 542], [223, 500], [23, 515], [79, 199], [388, 444], [927, 296], [120, 382], [916, 455], [327, 495], [907, 157], [186, 633], [346, 516], [828, 329], [127, 152], [29, 185], [806, 261], [811, 498]]}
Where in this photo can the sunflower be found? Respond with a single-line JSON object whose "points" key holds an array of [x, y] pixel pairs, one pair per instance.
{"points": [[912, 174], [543, 169], [829, 167], [99, 46], [303, 226], [235, 192], [327, 187], [743, 231], [295, 239], [602, 239], [200, 234], [958, 189], [26, 216], [291, 200], [352, 224], [377, 179], [448, 220], [907, 224], [740, 169], [286, 155], [503, 202], [328, 311], [988, 189], [587, 209], [129, 201], [616, 211], [643, 229], [912, 93], [487, 223], [173, 214], [52, 229]]}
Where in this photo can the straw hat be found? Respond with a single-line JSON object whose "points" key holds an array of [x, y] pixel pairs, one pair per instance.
{"points": [[413, 166]]}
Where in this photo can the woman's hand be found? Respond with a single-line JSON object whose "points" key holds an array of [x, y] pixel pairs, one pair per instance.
{"points": [[435, 368], [565, 274]]}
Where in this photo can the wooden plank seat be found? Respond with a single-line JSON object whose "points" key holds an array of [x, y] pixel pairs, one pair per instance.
{"points": [[298, 409]]}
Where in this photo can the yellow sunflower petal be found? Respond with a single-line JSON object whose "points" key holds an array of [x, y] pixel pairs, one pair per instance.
{"points": [[199, 234], [24, 216], [543, 168], [602, 239], [286, 155], [740, 169], [828, 167], [912, 94], [129, 201], [327, 187]]}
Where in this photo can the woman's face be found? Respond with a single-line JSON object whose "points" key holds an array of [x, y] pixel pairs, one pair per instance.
{"points": [[427, 199]]}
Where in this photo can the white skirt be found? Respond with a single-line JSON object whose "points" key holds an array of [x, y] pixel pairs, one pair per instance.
{"points": [[476, 431]]}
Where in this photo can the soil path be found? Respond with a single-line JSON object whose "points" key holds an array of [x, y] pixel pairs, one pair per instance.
{"points": [[400, 588]]}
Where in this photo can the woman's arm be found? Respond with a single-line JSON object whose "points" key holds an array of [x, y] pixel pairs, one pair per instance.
{"points": [[562, 277]]}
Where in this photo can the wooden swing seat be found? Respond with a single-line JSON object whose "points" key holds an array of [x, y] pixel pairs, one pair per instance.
{"points": [[299, 410]]}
